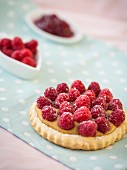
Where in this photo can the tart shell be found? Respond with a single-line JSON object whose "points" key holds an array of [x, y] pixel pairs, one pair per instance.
{"points": [[76, 141]]}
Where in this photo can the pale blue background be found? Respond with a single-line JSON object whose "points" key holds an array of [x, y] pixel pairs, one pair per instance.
{"points": [[89, 60]]}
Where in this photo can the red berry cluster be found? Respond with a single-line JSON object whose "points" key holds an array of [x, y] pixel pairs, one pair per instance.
{"points": [[20, 51], [54, 25], [86, 106]]}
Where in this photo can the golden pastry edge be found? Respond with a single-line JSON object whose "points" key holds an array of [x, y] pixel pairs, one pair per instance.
{"points": [[76, 141]]}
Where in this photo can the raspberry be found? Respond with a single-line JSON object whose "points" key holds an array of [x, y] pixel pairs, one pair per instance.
{"points": [[95, 87], [66, 121], [26, 53], [49, 113], [5, 42], [73, 94], [54, 25], [115, 104], [78, 85], [32, 45], [7, 51], [17, 43], [117, 117], [29, 61], [60, 99], [100, 101], [50, 93], [16, 55], [106, 94], [43, 101], [82, 100], [87, 128], [98, 111], [82, 114], [102, 124], [91, 95], [65, 107], [62, 88]]}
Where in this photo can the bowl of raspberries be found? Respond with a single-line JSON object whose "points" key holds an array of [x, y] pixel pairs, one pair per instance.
{"points": [[19, 57], [54, 26]]}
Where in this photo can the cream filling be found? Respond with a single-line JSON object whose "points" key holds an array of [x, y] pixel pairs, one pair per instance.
{"points": [[54, 125]]}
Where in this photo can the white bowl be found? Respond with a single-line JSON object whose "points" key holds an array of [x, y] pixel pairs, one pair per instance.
{"points": [[18, 68], [36, 14]]}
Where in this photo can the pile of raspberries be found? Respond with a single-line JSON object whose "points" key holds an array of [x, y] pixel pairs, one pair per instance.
{"points": [[78, 105], [16, 49]]}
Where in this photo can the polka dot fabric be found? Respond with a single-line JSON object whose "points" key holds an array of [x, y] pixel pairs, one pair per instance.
{"points": [[89, 60]]}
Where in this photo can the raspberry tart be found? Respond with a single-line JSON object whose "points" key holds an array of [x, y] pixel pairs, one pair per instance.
{"points": [[77, 117]]}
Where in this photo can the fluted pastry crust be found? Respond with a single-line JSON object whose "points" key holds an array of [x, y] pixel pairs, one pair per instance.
{"points": [[73, 141]]}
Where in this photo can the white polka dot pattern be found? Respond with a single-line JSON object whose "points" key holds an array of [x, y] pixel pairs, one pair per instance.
{"points": [[23, 112], [10, 14], [25, 123], [72, 159], [4, 109], [113, 157], [125, 145], [49, 147], [27, 134], [97, 168], [3, 98], [93, 158], [5, 119], [21, 101], [118, 166]]}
